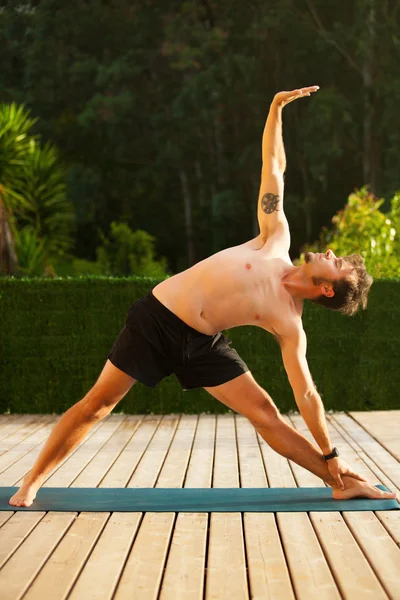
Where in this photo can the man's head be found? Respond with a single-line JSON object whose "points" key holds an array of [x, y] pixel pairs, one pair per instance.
{"points": [[341, 284]]}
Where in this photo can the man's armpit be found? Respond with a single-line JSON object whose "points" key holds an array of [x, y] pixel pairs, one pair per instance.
{"points": [[269, 203]]}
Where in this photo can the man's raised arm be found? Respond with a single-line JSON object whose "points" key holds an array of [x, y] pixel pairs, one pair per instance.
{"points": [[270, 201]]}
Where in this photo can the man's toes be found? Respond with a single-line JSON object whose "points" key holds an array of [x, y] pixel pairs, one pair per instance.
{"points": [[389, 495]]}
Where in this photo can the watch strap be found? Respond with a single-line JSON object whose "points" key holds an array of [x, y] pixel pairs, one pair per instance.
{"points": [[333, 454]]}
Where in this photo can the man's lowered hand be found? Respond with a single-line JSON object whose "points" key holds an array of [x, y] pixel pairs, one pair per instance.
{"points": [[338, 467]]}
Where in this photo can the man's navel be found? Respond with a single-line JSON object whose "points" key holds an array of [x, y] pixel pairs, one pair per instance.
{"points": [[257, 317]]}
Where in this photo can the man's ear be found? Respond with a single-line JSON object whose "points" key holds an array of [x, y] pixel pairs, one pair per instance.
{"points": [[327, 290]]}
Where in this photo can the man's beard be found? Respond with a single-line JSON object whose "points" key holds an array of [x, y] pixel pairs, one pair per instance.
{"points": [[307, 257]]}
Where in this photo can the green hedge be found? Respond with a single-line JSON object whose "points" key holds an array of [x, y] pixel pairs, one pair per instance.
{"points": [[56, 333]]}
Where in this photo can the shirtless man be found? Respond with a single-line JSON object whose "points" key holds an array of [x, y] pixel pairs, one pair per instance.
{"points": [[176, 329]]}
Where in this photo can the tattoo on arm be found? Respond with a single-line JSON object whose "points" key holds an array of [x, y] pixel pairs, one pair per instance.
{"points": [[269, 203]]}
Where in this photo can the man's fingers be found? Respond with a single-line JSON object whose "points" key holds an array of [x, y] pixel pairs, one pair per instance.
{"points": [[356, 476], [312, 88], [340, 482]]}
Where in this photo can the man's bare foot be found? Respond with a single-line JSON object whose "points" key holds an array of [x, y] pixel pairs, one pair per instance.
{"points": [[359, 489], [25, 495]]}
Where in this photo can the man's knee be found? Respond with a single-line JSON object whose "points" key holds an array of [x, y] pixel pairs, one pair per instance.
{"points": [[98, 402], [265, 414]]}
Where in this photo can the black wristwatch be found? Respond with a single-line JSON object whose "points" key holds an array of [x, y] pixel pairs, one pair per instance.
{"points": [[333, 454]]}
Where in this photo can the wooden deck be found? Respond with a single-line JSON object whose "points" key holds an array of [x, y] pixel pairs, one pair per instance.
{"points": [[168, 556]]}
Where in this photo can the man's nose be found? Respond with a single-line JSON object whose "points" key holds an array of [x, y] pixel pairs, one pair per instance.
{"points": [[329, 254]]}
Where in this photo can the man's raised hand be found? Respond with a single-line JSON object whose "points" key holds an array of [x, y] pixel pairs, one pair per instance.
{"points": [[283, 98]]}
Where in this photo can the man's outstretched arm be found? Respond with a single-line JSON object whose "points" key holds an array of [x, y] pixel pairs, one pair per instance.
{"points": [[271, 217], [309, 401]]}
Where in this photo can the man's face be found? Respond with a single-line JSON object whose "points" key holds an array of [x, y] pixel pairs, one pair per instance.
{"points": [[326, 266]]}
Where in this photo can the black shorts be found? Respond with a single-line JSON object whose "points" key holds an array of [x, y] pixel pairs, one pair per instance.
{"points": [[155, 343]]}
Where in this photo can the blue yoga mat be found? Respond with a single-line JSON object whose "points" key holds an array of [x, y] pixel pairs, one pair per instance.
{"points": [[193, 500]]}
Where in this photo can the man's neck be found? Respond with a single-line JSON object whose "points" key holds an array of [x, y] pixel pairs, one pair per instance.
{"points": [[298, 284]]}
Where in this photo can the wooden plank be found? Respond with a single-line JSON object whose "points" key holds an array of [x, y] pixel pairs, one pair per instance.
{"points": [[26, 562], [380, 463], [64, 564], [11, 423], [341, 550], [267, 569], [200, 469], [309, 570], [379, 547], [226, 466], [5, 515], [251, 465], [96, 566], [383, 425], [19, 436], [101, 573], [6, 418], [379, 455], [349, 452], [150, 546], [177, 459], [101, 463], [78, 460], [27, 446], [382, 552], [15, 531], [366, 467], [145, 565], [14, 474], [226, 566], [144, 568], [351, 570], [149, 467], [353, 452], [391, 522], [125, 465], [184, 571]]}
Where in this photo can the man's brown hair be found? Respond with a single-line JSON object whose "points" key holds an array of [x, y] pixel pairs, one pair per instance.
{"points": [[351, 292]]}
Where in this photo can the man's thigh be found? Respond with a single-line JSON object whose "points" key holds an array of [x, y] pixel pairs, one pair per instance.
{"points": [[245, 396], [111, 386]]}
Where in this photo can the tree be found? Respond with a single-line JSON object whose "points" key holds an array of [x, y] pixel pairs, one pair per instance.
{"points": [[127, 252], [362, 228], [35, 216], [8, 257], [15, 125], [162, 105]]}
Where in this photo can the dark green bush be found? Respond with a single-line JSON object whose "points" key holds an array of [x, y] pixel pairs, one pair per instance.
{"points": [[56, 333]]}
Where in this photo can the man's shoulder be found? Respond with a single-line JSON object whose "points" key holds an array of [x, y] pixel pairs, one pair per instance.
{"points": [[263, 243], [290, 329]]}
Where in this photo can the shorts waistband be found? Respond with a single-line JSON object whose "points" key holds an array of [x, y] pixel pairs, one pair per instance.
{"points": [[162, 309]]}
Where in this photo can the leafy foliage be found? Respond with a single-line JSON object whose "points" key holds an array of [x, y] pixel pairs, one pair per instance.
{"points": [[362, 228], [128, 252], [30, 251], [34, 192], [140, 97], [43, 205]]}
